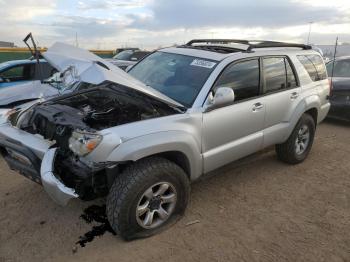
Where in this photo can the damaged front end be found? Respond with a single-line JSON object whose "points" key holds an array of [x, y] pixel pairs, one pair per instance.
{"points": [[68, 129]]}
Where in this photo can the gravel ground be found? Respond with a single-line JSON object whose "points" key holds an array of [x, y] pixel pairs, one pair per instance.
{"points": [[256, 210]]}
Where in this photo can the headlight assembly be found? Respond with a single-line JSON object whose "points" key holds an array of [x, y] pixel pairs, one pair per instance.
{"points": [[82, 143]]}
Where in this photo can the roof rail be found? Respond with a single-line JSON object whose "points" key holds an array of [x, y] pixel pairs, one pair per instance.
{"points": [[267, 44], [252, 44], [217, 41]]}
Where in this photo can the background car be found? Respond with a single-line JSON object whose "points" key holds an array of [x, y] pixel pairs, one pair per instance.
{"points": [[127, 58], [340, 98], [20, 71]]}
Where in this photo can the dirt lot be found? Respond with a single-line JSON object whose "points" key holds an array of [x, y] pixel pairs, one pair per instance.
{"points": [[257, 210]]}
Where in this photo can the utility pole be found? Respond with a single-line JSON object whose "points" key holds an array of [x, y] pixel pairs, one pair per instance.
{"points": [[308, 37], [76, 39]]}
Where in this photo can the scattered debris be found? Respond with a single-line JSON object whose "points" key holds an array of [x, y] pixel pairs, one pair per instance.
{"points": [[74, 249], [97, 214], [192, 222]]}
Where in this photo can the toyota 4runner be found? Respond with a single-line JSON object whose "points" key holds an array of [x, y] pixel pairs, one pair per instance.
{"points": [[140, 138]]}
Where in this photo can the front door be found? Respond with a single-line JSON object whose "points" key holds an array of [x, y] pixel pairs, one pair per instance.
{"points": [[234, 131]]}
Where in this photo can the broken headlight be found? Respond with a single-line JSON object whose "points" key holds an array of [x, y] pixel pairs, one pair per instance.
{"points": [[82, 143]]}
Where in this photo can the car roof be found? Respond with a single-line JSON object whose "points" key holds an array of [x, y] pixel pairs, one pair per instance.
{"points": [[217, 56], [20, 62], [219, 49]]}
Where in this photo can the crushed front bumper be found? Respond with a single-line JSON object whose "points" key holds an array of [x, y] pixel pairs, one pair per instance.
{"points": [[54, 187], [32, 157]]}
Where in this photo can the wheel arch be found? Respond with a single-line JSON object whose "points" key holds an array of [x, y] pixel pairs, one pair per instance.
{"points": [[310, 105], [178, 147]]}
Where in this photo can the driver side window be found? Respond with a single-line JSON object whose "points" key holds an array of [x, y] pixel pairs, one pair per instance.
{"points": [[243, 77]]}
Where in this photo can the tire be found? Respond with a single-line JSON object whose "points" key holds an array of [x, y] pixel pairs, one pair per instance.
{"points": [[131, 187], [289, 152]]}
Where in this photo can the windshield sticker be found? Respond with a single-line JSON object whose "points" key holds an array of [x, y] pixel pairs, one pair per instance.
{"points": [[203, 63]]}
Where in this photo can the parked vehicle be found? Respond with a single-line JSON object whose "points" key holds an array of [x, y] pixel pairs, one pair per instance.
{"points": [[21, 71], [199, 107], [128, 58], [340, 98]]}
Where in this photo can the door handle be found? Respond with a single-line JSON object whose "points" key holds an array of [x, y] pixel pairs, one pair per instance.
{"points": [[294, 95], [257, 107]]}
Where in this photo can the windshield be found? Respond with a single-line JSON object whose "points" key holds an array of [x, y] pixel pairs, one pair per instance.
{"points": [[124, 55], [177, 76]]}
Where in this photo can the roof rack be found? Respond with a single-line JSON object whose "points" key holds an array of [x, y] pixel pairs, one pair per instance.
{"points": [[252, 44]]}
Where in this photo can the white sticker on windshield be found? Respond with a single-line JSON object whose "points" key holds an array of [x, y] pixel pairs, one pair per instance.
{"points": [[203, 63]]}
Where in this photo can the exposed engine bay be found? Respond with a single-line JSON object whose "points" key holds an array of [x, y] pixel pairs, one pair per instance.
{"points": [[72, 122], [91, 110]]}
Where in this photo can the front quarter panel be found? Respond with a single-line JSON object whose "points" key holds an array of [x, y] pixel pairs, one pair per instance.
{"points": [[133, 141], [161, 142]]}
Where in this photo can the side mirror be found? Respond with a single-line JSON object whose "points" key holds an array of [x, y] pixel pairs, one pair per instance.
{"points": [[223, 96], [1, 80]]}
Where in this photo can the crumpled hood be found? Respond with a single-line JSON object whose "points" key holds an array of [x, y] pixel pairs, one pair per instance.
{"points": [[87, 67], [26, 91]]}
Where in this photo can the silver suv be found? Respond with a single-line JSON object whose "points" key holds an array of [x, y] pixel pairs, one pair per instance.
{"points": [[190, 110]]}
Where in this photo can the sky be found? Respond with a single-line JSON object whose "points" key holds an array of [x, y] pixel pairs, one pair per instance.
{"points": [[107, 24]]}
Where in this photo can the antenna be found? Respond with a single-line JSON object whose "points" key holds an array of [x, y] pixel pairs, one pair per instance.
{"points": [[308, 37], [334, 55], [76, 39]]}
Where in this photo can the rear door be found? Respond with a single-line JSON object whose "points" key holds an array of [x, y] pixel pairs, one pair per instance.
{"points": [[281, 96]]}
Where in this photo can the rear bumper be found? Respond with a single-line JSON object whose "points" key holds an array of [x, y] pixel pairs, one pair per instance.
{"points": [[32, 157], [323, 112]]}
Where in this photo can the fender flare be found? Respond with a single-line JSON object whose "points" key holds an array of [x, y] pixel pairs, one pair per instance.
{"points": [[161, 142], [308, 103]]}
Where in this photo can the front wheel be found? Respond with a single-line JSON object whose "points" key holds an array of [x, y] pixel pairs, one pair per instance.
{"points": [[297, 147], [147, 197]]}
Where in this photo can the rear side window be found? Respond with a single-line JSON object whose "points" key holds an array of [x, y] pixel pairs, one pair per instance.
{"points": [[314, 65], [274, 73], [243, 77]]}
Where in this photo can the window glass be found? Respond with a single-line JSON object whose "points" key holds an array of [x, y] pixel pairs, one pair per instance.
{"points": [[177, 76], [13, 73], [243, 78], [341, 68], [138, 55], [319, 65], [291, 80], [314, 65], [124, 55], [275, 74]]}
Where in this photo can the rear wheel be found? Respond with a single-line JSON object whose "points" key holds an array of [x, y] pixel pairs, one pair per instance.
{"points": [[147, 197], [297, 147]]}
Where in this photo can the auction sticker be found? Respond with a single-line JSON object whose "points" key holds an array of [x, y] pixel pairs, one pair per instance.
{"points": [[203, 63]]}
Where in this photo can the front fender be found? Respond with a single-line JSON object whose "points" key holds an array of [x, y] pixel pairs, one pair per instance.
{"points": [[160, 142]]}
